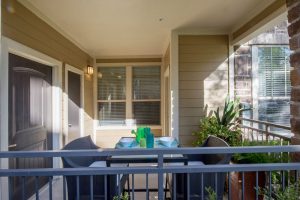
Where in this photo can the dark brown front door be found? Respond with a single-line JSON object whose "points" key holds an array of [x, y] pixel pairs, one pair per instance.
{"points": [[74, 104], [30, 118]]}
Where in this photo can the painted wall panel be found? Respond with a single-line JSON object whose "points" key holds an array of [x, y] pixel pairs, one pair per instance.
{"points": [[203, 80]]}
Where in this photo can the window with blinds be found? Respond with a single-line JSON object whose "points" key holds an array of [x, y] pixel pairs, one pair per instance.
{"points": [[274, 71], [111, 95], [274, 84], [131, 92], [146, 95]]}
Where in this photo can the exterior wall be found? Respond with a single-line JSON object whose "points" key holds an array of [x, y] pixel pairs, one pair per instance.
{"points": [[203, 79], [294, 33], [243, 74], [21, 25]]}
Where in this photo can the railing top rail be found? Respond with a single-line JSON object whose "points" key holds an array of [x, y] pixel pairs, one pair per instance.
{"points": [[266, 123], [285, 137], [158, 151], [148, 169]]}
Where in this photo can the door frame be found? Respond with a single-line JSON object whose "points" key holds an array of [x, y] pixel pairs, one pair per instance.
{"points": [[11, 46], [66, 96]]}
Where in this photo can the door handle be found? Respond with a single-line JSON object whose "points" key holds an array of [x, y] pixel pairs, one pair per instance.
{"points": [[12, 146]]}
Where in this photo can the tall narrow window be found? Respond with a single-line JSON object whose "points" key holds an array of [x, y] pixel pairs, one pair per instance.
{"points": [[111, 95], [146, 95], [274, 84]]}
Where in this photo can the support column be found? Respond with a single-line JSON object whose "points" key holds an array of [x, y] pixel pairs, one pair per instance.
{"points": [[293, 7]]}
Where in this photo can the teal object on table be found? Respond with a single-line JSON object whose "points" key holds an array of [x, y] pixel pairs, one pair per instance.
{"points": [[140, 133], [149, 138]]}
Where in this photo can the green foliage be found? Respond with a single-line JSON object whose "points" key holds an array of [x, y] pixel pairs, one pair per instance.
{"points": [[260, 157], [290, 192], [230, 114], [125, 196], [210, 126], [212, 195]]}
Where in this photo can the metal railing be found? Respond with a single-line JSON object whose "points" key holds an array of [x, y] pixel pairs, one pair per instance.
{"points": [[287, 174], [264, 131]]}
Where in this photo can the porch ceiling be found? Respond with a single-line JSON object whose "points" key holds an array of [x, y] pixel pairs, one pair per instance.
{"points": [[140, 27]]}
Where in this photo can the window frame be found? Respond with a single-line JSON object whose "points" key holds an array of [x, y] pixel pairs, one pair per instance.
{"points": [[129, 99], [255, 78]]}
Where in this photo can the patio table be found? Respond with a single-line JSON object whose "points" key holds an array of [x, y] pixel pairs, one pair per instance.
{"points": [[147, 159], [134, 159]]}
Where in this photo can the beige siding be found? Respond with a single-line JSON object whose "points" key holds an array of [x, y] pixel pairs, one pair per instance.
{"points": [[203, 80], [26, 28]]}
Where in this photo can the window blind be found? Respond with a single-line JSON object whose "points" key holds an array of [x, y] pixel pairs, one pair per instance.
{"points": [[274, 71], [111, 95], [112, 83], [146, 95], [146, 82], [274, 84]]}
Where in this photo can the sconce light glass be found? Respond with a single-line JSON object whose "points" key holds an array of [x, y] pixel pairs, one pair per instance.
{"points": [[90, 70]]}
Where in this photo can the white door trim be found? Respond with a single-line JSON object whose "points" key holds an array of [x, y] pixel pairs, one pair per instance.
{"points": [[10, 46], [66, 96]]}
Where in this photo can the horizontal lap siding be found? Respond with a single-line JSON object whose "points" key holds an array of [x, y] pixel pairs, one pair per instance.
{"points": [[26, 28], [203, 80]]}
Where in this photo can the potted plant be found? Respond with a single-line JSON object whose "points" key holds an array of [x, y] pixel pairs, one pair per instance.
{"points": [[224, 126], [250, 187]]}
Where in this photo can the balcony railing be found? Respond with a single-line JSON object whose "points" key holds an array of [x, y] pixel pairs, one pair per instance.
{"points": [[276, 175], [265, 131]]}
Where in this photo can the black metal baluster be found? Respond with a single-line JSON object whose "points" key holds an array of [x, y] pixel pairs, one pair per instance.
{"points": [[23, 188], [188, 186], [202, 187], [270, 184], [119, 185], [10, 185], [216, 183], [147, 187], [243, 185], [50, 187], [256, 185], [105, 186], [132, 189], [37, 188], [174, 186], [229, 185], [77, 188], [64, 188], [91, 187]]}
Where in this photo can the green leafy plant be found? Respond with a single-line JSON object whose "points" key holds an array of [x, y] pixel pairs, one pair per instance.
{"points": [[260, 157], [290, 192], [124, 196], [212, 195], [210, 126], [230, 114], [225, 126]]}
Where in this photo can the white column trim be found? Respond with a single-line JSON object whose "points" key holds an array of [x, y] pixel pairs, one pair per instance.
{"points": [[174, 85]]}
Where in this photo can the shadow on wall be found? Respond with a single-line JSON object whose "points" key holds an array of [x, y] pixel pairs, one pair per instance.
{"points": [[203, 80]]}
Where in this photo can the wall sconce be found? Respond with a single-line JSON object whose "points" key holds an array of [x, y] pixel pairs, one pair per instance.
{"points": [[90, 70]]}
